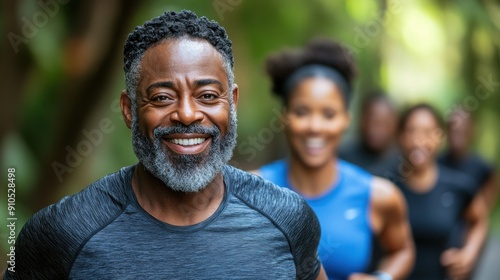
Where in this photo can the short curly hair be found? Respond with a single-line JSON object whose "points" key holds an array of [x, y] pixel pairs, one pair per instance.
{"points": [[173, 25], [323, 51]]}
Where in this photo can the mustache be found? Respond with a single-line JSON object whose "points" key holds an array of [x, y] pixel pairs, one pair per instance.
{"points": [[162, 131]]}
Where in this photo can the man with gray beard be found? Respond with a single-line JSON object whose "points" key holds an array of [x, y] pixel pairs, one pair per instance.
{"points": [[181, 212]]}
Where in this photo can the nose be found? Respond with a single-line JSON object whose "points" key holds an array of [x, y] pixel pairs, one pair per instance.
{"points": [[315, 124], [186, 111], [425, 144]]}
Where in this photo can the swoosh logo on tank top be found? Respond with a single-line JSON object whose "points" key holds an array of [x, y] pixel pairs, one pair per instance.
{"points": [[351, 214]]}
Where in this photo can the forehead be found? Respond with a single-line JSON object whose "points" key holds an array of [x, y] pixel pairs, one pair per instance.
{"points": [[379, 108], [182, 55], [422, 117], [316, 89], [379, 104], [459, 121]]}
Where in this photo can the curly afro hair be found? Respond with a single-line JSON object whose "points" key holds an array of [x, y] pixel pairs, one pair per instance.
{"points": [[172, 25], [280, 66]]}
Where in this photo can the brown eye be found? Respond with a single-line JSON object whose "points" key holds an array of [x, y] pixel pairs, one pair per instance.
{"points": [[209, 96], [329, 114], [300, 112], [161, 99]]}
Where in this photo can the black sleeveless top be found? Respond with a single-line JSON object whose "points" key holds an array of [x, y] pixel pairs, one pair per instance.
{"points": [[473, 165], [435, 217]]}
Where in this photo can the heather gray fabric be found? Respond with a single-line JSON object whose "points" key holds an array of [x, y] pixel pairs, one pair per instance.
{"points": [[260, 231]]}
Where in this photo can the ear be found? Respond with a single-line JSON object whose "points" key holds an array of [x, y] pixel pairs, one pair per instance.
{"points": [[440, 137], [126, 105], [348, 120], [235, 94]]}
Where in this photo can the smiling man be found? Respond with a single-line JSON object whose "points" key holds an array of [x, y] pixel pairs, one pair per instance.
{"points": [[181, 212]]}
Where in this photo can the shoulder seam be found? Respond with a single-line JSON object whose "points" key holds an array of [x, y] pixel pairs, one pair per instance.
{"points": [[94, 232], [292, 251]]}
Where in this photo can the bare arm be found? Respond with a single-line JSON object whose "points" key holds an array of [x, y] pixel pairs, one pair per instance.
{"points": [[322, 274], [460, 262], [489, 192], [395, 233], [390, 223]]}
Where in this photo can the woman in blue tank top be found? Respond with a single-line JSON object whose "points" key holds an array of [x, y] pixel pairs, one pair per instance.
{"points": [[353, 207], [440, 201]]}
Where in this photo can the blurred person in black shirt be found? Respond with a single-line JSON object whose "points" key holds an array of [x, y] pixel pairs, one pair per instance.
{"points": [[458, 156], [439, 198], [375, 150]]}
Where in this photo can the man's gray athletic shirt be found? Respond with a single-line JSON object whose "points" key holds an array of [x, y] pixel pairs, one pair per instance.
{"points": [[260, 231]]}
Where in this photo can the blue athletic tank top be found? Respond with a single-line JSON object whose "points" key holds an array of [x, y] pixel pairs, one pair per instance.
{"points": [[344, 215]]}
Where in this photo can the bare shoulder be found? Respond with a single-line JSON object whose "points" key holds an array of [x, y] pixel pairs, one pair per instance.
{"points": [[386, 196]]}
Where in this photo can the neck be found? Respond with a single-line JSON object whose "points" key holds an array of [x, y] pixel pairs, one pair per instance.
{"points": [[376, 151], [174, 207], [312, 181], [424, 178], [457, 154]]}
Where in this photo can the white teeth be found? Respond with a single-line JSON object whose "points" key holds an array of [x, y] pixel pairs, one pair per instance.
{"points": [[187, 142], [315, 142]]}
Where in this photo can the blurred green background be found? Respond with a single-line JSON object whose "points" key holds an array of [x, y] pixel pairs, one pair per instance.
{"points": [[61, 76]]}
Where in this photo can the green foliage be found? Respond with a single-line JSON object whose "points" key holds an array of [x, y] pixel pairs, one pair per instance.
{"points": [[434, 51]]}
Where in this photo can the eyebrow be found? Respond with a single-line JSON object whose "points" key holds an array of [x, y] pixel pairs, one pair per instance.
{"points": [[160, 85], [168, 84], [205, 82]]}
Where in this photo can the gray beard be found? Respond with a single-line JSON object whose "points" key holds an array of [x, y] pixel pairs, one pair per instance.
{"points": [[184, 173]]}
